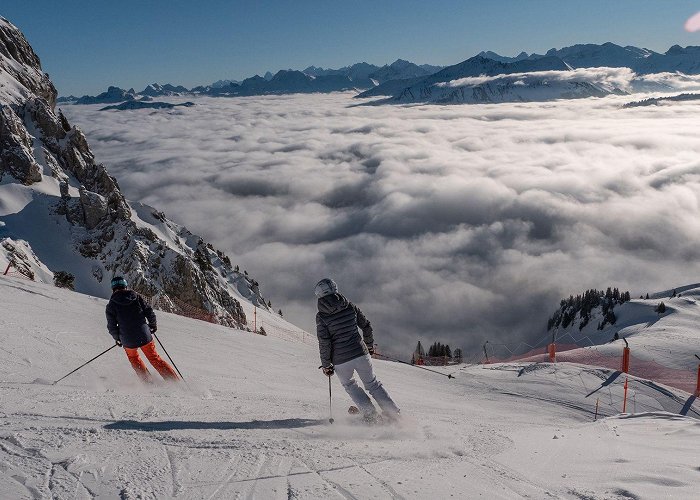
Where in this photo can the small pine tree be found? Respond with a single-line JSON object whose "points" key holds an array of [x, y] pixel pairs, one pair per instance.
{"points": [[262, 331], [269, 303], [280, 312], [63, 279], [661, 308], [237, 269], [647, 296]]}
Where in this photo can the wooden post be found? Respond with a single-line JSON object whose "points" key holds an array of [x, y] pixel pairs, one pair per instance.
{"points": [[7, 269], [624, 401], [486, 354], [255, 319], [552, 352]]}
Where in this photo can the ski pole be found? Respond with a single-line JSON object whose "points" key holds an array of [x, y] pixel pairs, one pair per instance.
{"points": [[168, 355], [448, 375], [330, 400], [93, 359], [330, 397]]}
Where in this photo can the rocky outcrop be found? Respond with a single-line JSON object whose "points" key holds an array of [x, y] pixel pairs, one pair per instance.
{"points": [[95, 207], [19, 61], [39, 146], [16, 158]]}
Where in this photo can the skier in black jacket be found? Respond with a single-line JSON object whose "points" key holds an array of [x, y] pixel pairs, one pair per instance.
{"points": [[127, 313], [343, 351]]}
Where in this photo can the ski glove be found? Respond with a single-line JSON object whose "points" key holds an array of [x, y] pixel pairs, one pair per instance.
{"points": [[328, 370], [154, 328]]}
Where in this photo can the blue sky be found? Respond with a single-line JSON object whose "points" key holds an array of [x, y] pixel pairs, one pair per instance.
{"points": [[87, 45]]}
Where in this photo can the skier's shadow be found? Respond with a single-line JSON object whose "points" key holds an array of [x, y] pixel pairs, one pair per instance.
{"points": [[174, 425]]}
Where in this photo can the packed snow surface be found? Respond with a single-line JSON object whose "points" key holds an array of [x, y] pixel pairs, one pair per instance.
{"points": [[254, 421]]}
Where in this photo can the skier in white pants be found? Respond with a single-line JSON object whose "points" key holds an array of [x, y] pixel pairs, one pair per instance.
{"points": [[343, 351]]}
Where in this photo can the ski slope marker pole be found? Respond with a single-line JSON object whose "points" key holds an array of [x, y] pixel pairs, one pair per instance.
{"points": [[624, 401], [171, 359], [448, 375], [84, 364]]}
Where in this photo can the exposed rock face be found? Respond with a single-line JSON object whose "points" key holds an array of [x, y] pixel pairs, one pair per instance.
{"points": [[16, 149], [103, 229], [95, 207], [15, 48]]}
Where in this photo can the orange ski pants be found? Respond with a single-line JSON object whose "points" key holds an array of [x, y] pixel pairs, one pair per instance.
{"points": [[165, 370]]}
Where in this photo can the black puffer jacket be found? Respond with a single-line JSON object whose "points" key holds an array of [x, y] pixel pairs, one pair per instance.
{"points": [[127, 313], [339, 340]]}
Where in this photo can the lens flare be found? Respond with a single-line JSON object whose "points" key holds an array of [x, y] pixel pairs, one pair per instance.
{"points": [[693, 24]]}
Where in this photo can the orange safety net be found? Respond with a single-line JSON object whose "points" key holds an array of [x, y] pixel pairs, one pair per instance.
{"points": [[685, 379]]}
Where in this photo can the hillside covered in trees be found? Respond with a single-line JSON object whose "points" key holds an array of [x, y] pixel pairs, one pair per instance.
{"points": [[580, 309]]}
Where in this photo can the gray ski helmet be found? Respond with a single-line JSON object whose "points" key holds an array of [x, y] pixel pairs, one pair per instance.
{"points": [[118, 282], [325, 287]]}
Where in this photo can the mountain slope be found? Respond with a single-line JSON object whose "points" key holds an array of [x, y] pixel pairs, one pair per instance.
{"points": [[254, 423], [60, 210]]}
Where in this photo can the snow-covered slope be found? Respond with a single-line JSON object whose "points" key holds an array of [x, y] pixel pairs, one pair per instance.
{"points": [[60, 210], [670, 338], [253, 424], [527, 87], [480, 80]]}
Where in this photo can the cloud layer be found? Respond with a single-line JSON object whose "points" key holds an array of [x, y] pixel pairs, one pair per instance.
{"points": [[458, 223]]}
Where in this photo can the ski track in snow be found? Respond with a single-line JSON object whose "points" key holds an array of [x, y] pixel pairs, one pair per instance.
{"points": [[254, 425]]}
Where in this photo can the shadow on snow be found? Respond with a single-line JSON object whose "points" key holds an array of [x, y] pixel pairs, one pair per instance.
{"points": [[174, 425]]}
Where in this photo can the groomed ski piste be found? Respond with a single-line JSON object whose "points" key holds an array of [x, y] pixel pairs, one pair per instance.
{"points": [[254, 421]]}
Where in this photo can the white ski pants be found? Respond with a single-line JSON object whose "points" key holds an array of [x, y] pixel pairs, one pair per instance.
{"points": [[363, 367]]}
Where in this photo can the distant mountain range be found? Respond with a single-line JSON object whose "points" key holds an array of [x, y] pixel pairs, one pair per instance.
{"points": [[359, 76], [403, 81]]}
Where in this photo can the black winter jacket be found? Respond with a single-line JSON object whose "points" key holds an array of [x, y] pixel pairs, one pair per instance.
{"points": [[339, 340], [127, 313]]}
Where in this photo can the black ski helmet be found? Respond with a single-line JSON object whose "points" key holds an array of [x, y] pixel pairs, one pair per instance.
{"points": [[119, 283]]}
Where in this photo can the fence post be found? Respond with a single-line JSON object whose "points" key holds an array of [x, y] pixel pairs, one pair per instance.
{"points": [[552, 349], [486, 354], [697, 388], [624, 401], [626, 357], [596, 409], [255, 320], [7, 269]]}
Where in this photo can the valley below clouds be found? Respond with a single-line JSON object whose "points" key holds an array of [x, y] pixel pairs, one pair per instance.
{"points": [[453, 223]]}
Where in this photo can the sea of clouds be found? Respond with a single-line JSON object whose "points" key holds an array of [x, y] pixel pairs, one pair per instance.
{"points": [[452, 223]]}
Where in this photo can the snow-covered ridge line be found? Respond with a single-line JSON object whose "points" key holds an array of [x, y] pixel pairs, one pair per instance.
{"points": [[616, 77], [62, 211]]}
